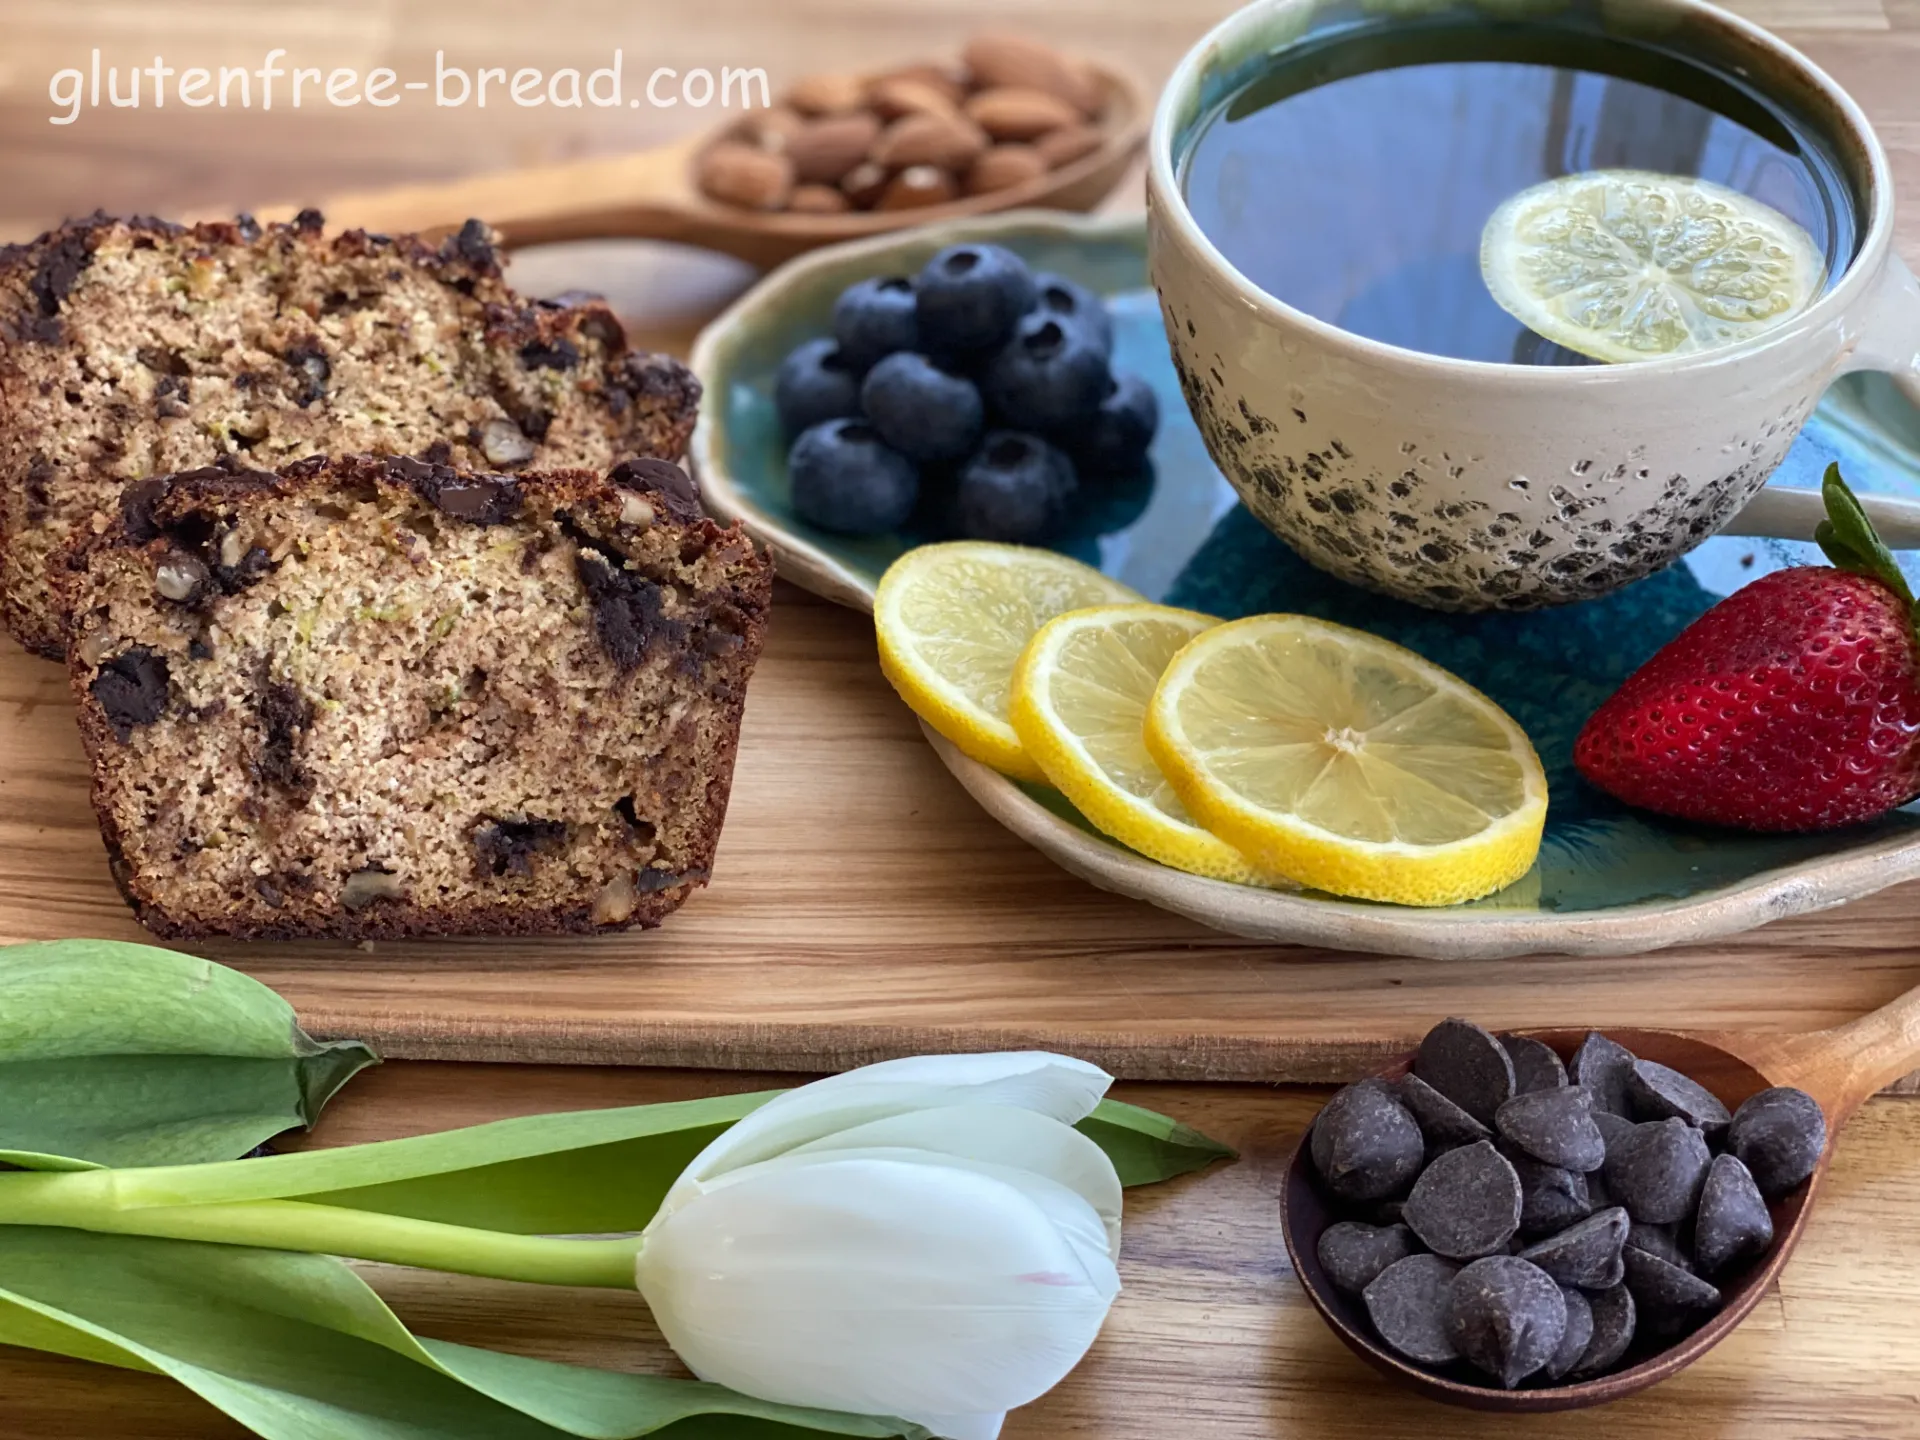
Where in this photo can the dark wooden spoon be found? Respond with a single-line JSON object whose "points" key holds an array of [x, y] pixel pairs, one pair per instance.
{"points": [[1840, 1068]]}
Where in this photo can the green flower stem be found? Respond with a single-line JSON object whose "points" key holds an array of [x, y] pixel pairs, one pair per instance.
{"points": [[71, 1202]]}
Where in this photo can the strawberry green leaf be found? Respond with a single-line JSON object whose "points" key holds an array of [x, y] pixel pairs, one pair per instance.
{"points": [[1851, 542], [118, 1054]]}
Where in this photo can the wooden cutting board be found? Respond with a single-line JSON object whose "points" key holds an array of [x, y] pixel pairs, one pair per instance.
{"points": [[862, 907]]}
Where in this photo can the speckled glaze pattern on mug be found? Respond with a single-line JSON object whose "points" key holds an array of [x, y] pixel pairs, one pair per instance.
{"points": [[1464, 485]]}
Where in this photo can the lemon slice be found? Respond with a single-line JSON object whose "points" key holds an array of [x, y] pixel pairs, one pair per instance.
{"points": [[1633, 265], [1079, 703], [1347, 763], [952, 621]]}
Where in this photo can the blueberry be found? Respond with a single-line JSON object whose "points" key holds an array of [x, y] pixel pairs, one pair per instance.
{"points": [[815, 383], [1048, 378], [1115, 440], [1069, 301], [845, 479], [873, 319], [1015, 489], [920, 410], [971, 296]]}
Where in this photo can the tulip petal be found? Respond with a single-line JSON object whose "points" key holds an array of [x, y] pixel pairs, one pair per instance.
{"points": [[1057, 1086], [879, 1286], [1018, 1139], [961, 1427]]}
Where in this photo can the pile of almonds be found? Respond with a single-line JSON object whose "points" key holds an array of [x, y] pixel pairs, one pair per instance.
{"points": [[919, 135]]}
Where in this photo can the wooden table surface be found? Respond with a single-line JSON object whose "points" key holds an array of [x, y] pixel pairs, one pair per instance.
{"points": [[1211, 1337]]}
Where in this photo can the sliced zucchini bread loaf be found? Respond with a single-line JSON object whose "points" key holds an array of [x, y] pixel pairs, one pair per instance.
{"points": [[373, 696], [134, 348]]}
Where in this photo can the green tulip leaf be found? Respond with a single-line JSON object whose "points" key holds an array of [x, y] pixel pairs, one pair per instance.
{"points": [[1147, 1147], [126, 1055], [298, 1347]]}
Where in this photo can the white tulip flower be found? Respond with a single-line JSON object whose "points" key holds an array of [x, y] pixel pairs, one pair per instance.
{"points": [[926, 1238]]}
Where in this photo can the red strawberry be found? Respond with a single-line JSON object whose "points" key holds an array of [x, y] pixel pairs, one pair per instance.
{"points": [[1793, 704]]}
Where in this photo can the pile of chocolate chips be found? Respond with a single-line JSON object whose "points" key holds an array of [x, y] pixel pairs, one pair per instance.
{"points": [[1539, 1219]]}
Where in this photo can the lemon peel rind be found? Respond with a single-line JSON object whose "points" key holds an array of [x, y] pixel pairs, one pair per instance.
{"points": [[1392, 873]]}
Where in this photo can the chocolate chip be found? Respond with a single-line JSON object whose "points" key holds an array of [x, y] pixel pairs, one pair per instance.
{"points": [[1613, 1325], [1535, 1065], [1506, 1317], [1586, 1254], [629, 616], [1365, 1145], [1555, 1127], [131, 689], [1779, 1135], [1353, 1255], [311, 370], [137, 504], [663, 478], [1657, 1171], [60, 266], [286, 718], [549, 355], [1732, 1222], [1408, 1304], [1468, 1066], [507, 847], [1612, 1127], [1604, 1068], [474, 244], [309, 221], [652, 880], [1659, 1092], [1466, 1203], [1578, 1336], [1444, 1123], [1660, 1241], [1550, 1198], [477, 499], [1668, 1301]]}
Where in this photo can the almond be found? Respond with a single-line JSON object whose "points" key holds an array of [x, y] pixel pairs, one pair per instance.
{"points": [[770, 129], [951, 142], [818, 200], [1004, 166], [864, 184], [898, 95], [915, 186], [937, 78], [745, 175], [1016, 113], [1067, 144], [998, 60], [828, 94], [824, 150]]}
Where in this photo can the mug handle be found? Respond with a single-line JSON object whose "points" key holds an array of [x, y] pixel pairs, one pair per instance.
{"points": [[1891, 340], [1890, 343]]}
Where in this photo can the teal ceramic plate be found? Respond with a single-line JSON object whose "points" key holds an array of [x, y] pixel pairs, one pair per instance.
{"points": [[1609, 881]]}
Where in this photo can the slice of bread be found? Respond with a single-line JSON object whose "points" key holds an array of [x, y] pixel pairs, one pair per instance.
{"points": [[371, 696], [134, 348]]}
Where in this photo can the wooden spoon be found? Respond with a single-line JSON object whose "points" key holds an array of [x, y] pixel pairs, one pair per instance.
{"points": [[651, 196], [1840, 1068]]}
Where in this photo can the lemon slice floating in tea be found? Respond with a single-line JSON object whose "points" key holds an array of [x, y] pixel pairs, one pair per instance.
{"points": [[1632, 265], [1347, 763], [952, 620], [1079, 700]]}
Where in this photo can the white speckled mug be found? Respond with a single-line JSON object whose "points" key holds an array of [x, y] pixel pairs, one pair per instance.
{"points": [[1467, 485]]}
